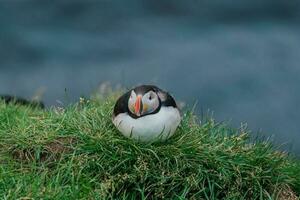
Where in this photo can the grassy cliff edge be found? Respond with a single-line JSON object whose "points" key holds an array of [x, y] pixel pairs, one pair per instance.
{"points": [[77, 153]]}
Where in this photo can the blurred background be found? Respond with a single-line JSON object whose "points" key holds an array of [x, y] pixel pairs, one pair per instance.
{"points": [[239, 59]]}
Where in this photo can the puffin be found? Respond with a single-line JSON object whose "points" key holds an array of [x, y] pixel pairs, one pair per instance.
{"points": [[146, 113]]}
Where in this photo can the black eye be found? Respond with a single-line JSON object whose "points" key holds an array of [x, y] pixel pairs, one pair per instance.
{"points": [[150, 97]]}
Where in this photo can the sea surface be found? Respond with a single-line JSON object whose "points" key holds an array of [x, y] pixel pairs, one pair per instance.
{"points": [[239, 60]]}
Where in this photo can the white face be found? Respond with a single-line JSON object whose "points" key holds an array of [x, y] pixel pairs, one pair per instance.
{"points": [[143, 105]]}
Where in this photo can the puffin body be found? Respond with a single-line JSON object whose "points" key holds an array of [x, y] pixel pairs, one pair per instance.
{"points": [[146, 113]]}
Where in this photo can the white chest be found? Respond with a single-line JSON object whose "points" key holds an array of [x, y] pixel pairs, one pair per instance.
{"points": [[158, 126]]}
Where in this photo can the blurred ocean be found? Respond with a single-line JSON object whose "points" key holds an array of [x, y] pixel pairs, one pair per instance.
{"points": [[239, 59]]}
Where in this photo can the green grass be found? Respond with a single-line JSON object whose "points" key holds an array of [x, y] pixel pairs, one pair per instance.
{"points": [[77, 153]]}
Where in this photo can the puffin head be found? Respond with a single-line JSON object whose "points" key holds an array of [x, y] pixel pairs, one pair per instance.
{"points": [[143, 102]]}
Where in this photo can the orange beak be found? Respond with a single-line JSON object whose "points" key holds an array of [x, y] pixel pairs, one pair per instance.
{"points": [[137, 106]]}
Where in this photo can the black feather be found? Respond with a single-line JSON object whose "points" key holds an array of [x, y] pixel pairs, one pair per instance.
{"points": [[121, 105]]}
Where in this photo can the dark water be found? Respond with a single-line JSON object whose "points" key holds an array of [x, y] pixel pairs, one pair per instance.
{"points": [[238, 59]]}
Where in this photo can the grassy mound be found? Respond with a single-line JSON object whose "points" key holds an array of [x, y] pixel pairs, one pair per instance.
{"points": [[77, 153]]}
